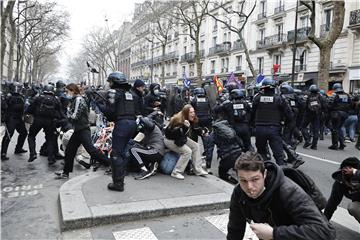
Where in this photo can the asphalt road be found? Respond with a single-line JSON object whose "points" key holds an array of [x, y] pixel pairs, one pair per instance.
{"points": [[29, 194]]}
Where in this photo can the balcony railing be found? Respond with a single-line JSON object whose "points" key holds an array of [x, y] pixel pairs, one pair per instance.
{"points": [[139, 63], [279, 9], [188, 57], [324, 29], [261, 15], [238, 68], [299, 68], [237, 45], [302, 34], [223, 48], [354, 17], [271, 41]]}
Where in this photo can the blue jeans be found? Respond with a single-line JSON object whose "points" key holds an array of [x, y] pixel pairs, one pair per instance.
{"points": [[350, 126]]}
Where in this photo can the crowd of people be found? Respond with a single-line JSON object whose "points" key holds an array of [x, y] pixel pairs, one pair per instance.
{"points": [[147, 122]]}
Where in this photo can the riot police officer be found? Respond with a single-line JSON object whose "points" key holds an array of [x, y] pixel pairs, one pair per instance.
{"points": [[269, 110], [290, 129], [14, 110], [340, 103], [46, 111], [120, 108], [202, 108], [313, 110]]}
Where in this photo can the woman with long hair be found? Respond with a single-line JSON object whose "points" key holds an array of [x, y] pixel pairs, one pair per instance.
{"points": [[177, 140], [78, 114]]}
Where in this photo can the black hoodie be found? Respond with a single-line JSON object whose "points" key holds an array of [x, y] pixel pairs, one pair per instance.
{"points": [[283, 205]]}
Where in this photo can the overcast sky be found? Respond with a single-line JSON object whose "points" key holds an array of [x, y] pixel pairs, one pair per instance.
{"points": [[89, 14]]}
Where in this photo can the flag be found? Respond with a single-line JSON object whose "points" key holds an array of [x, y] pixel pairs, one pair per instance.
{"points": [[259, 78], [233, 79], [218, 84], [186, 81]]}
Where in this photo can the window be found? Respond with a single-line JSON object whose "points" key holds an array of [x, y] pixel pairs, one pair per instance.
{"points": [[227, 63], [238, 61], [202, 45], [304, 21], [260, 63], [279, 30], [277, 59], [214, 41], [263, 7], [225, 37], [184, 50], [222, 63], [212, 65], [215, 24], [261, 34], [183, 69], [229, 37], [192, 47], [327, 19]]}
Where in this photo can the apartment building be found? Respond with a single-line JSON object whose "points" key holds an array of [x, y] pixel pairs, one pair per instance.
{"points": [[269, 36]]}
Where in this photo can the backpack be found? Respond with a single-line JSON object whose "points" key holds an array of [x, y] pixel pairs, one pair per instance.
{"points": [[47, 106], [239, 111], [307, 184], [314, 104], [224, 132]]}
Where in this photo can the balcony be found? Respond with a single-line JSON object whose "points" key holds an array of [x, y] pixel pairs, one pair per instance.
{"points": [[302, 35], [188, 57], [261, 16], [279, 9], [299, 68], [238, 68], [220, 49], [324, 30], [171, 56], [273, 41], [139, 63], [237, 45], [354, 22]]}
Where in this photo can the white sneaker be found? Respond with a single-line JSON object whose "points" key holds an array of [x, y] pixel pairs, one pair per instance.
{"points": [[177, 175], [202, 172]]}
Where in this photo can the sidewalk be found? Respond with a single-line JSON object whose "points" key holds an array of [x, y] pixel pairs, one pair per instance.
{"points": [[85, 200]]}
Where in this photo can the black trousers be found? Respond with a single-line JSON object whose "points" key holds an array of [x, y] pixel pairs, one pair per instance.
{"points": [[82, 137], [49, 129], [243, 132], [144, 156], [11, 125]]}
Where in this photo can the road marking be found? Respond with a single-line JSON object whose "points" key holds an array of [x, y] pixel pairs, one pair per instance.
{"points": [[220, 222], [135, 234], [20, 191], [317, 158]]}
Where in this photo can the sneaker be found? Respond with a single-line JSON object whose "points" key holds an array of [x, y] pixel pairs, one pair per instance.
{"points": [[61, 175], [307, 144], [20, 151], [143, 174], [347, 141], [153, 168], [332, 147], [32, 158], [298, 163], [177, 175], [202, 172]]}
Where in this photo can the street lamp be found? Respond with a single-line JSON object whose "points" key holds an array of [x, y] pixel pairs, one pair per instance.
{"points": [[294, 47]]}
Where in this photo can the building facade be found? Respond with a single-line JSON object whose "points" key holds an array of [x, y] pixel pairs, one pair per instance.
{"points": [[269, 36]]}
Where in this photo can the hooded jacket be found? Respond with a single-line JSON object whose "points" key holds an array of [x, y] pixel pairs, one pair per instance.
{"points": [[341, 189], [284, 206]]}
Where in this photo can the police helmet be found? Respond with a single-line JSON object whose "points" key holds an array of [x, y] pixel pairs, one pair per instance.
{"points": [[48, 89], [199, 91], [231, 86], [16, 87], [286, 89], [236, 94], [60, 84], [314, 89], [117, 77], [145, 125], [337, 87], [268, 83]]}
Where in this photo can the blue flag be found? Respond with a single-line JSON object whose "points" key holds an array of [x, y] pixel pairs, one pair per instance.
{"points": [[186, 81], [259, 78]]}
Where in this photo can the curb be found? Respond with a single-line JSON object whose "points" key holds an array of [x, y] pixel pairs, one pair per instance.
{"points": [[75, 212]]}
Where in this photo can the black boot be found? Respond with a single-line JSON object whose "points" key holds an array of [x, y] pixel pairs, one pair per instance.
{"points": [[32, 157], [4, 157], [84, 164], [118, 174], [19, 151]]}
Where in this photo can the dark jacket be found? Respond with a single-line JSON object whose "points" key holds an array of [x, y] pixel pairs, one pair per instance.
{"points": [[283, 205], [138, 102], [177, 134], [35, 105], [340, 189], [78, 113]]}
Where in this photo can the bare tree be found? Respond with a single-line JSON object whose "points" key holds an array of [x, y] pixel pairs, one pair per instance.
{"points": [[191, 15], [162, 26], [325, 44], [229, 13], [6, 15], [77, 70]]}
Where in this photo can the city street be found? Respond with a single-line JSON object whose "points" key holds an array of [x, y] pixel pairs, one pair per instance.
{"points": [[30, 208]]}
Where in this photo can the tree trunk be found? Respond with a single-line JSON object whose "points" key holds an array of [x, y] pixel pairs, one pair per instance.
{"points": [[197, 59], [162, 81], [22, 61], [247, 55], [324, 65], [11, 47], [4, 17]]}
